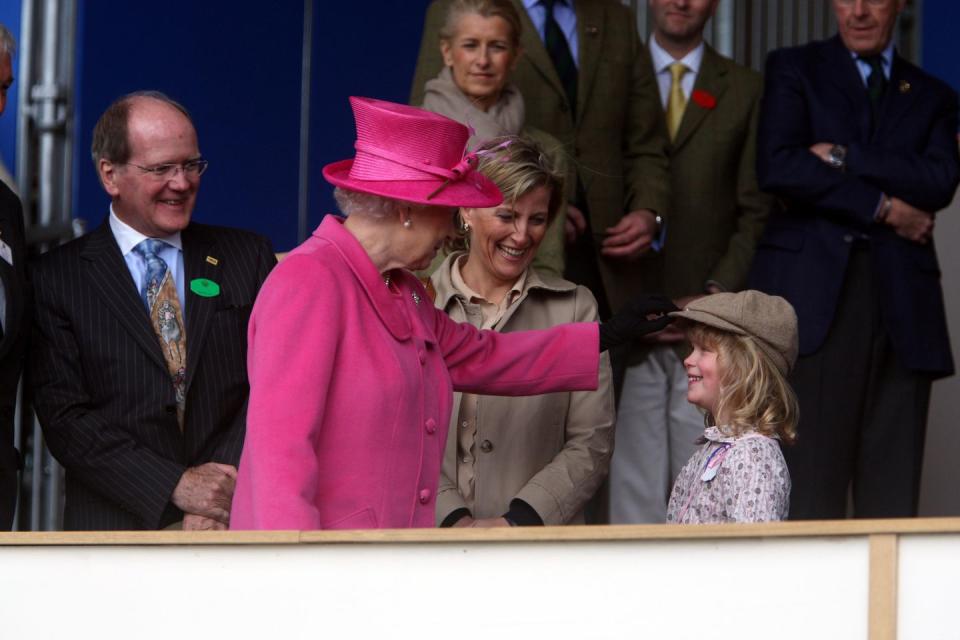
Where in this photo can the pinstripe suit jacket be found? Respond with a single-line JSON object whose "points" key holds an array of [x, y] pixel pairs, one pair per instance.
{"points": [[12, 346], [101, 387]]}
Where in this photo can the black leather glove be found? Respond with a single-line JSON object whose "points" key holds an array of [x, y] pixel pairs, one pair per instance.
{"points": [[637, 318]]}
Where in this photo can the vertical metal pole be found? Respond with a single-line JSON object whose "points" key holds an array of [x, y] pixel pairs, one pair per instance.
{"points": [[724, 28], [303, 195], [25, 52], [36, 478], [46, 94]]}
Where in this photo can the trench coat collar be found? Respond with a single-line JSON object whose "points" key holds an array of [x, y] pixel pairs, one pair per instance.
{"points": [[443, 283], [389, 305]]}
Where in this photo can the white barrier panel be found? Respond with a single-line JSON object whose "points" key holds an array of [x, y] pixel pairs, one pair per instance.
{"points": [[773, 581]]}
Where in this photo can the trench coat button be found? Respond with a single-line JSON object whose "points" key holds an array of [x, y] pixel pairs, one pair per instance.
{"points": [[848, 238], [431, 425], [422, 356], [486, 446], [171, 408], [425, 496]]}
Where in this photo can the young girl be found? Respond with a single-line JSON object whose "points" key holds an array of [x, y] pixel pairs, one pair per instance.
{"points": [[744, 345]]}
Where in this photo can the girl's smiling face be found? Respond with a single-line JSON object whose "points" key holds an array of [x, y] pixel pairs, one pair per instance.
{"points": [[703, 378]]}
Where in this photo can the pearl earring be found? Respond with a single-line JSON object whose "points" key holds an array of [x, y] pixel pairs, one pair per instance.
{"points": [[407, 223], [466, 227]]}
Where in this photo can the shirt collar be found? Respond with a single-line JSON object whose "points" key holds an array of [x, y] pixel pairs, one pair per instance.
{"points": [[127, 237], [461, 285], [662, 60], [886, 55], [528, 4]]}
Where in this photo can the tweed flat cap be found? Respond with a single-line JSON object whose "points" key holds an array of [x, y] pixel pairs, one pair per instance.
{"points": [[770, 320]]}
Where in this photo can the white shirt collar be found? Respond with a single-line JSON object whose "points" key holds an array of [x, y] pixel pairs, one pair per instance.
{"points": [[662, 60], [886, 56], [527, 4], [127, 237]]}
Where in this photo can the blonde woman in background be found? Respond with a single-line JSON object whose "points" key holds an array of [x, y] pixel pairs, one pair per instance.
{"points": [[480, 46]]}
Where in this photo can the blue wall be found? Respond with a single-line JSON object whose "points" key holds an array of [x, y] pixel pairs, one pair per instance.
{"points": [[941, 24], [10, 18], [237, 67]]}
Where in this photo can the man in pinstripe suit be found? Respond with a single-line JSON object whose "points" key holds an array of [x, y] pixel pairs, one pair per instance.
{"points": [[144, 448]]}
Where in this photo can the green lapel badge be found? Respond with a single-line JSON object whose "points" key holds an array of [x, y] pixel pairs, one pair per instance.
{"points": [[204, 288]]}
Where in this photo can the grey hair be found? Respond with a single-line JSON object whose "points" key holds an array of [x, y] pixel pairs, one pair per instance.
{"points": [[8, 44], [356, 202]]}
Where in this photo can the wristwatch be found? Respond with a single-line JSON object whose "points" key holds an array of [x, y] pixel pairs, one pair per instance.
{"points": [[837, 157]]}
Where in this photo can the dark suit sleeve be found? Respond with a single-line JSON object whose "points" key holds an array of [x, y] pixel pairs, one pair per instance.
{"points": [[429, 60], [645, 137], [785, 165], [926, 178], [754, 208], [229, 445], [100, 454]]}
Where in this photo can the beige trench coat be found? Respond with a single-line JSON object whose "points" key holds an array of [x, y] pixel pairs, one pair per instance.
{"points": [[552, 451]]}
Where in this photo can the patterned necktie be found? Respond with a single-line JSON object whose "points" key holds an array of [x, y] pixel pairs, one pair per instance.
{"points": [[676, 102], [876, 81], [559, 50], [159, 295]]}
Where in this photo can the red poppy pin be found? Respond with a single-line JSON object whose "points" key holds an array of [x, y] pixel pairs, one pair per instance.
{"points": [[704, 98]]}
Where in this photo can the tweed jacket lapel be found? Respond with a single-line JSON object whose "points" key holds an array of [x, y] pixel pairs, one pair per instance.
{"points": [[591, 17], [536, 53], [712, 80], [197, 246], [110, 279]]}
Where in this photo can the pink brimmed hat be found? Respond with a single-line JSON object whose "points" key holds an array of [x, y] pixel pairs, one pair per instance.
{"points": [[413, 155]]}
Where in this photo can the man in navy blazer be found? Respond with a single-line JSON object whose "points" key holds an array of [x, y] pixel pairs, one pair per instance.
{"points": [[861, 146], [13, 308]]}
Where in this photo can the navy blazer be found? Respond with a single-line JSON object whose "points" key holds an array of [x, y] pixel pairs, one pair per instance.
{"points": [[101, 387], [813, 94], [13, 345]]}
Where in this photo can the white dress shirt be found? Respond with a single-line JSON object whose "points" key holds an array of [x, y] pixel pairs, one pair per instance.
{"points": [[661, 65], [127, 238]]}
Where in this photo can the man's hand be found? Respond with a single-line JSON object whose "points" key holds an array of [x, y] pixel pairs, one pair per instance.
{"points": [[631, 237], [575, 224], [193, 522], [206, 490], [487, 523], [909, 222], [822, 150], [465, 521]]}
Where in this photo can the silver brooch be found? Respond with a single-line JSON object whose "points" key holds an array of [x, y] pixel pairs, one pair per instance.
{"points": [[416, 297]]}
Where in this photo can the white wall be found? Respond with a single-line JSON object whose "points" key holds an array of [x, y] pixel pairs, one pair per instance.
{"points": [[941, 474]]}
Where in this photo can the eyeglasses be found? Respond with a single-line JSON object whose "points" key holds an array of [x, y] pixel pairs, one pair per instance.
{"points": [[191, 169]]}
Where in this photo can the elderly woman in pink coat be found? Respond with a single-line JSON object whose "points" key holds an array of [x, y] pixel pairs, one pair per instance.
{"points": [[351, 366]]}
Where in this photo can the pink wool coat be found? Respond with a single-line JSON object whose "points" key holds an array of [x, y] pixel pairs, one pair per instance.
{"points": [[351, 389]]}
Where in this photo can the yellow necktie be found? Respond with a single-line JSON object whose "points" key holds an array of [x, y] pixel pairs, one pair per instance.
{"points": [[676, 103]]}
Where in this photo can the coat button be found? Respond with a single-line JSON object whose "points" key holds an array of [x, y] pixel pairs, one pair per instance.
{"points": [[171, 408], [431, 425], [486, 446], [848, 238], [425, 496], [422, 356]]}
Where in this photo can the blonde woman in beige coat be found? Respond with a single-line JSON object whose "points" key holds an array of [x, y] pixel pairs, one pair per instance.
{"points": [[531, 460]]}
